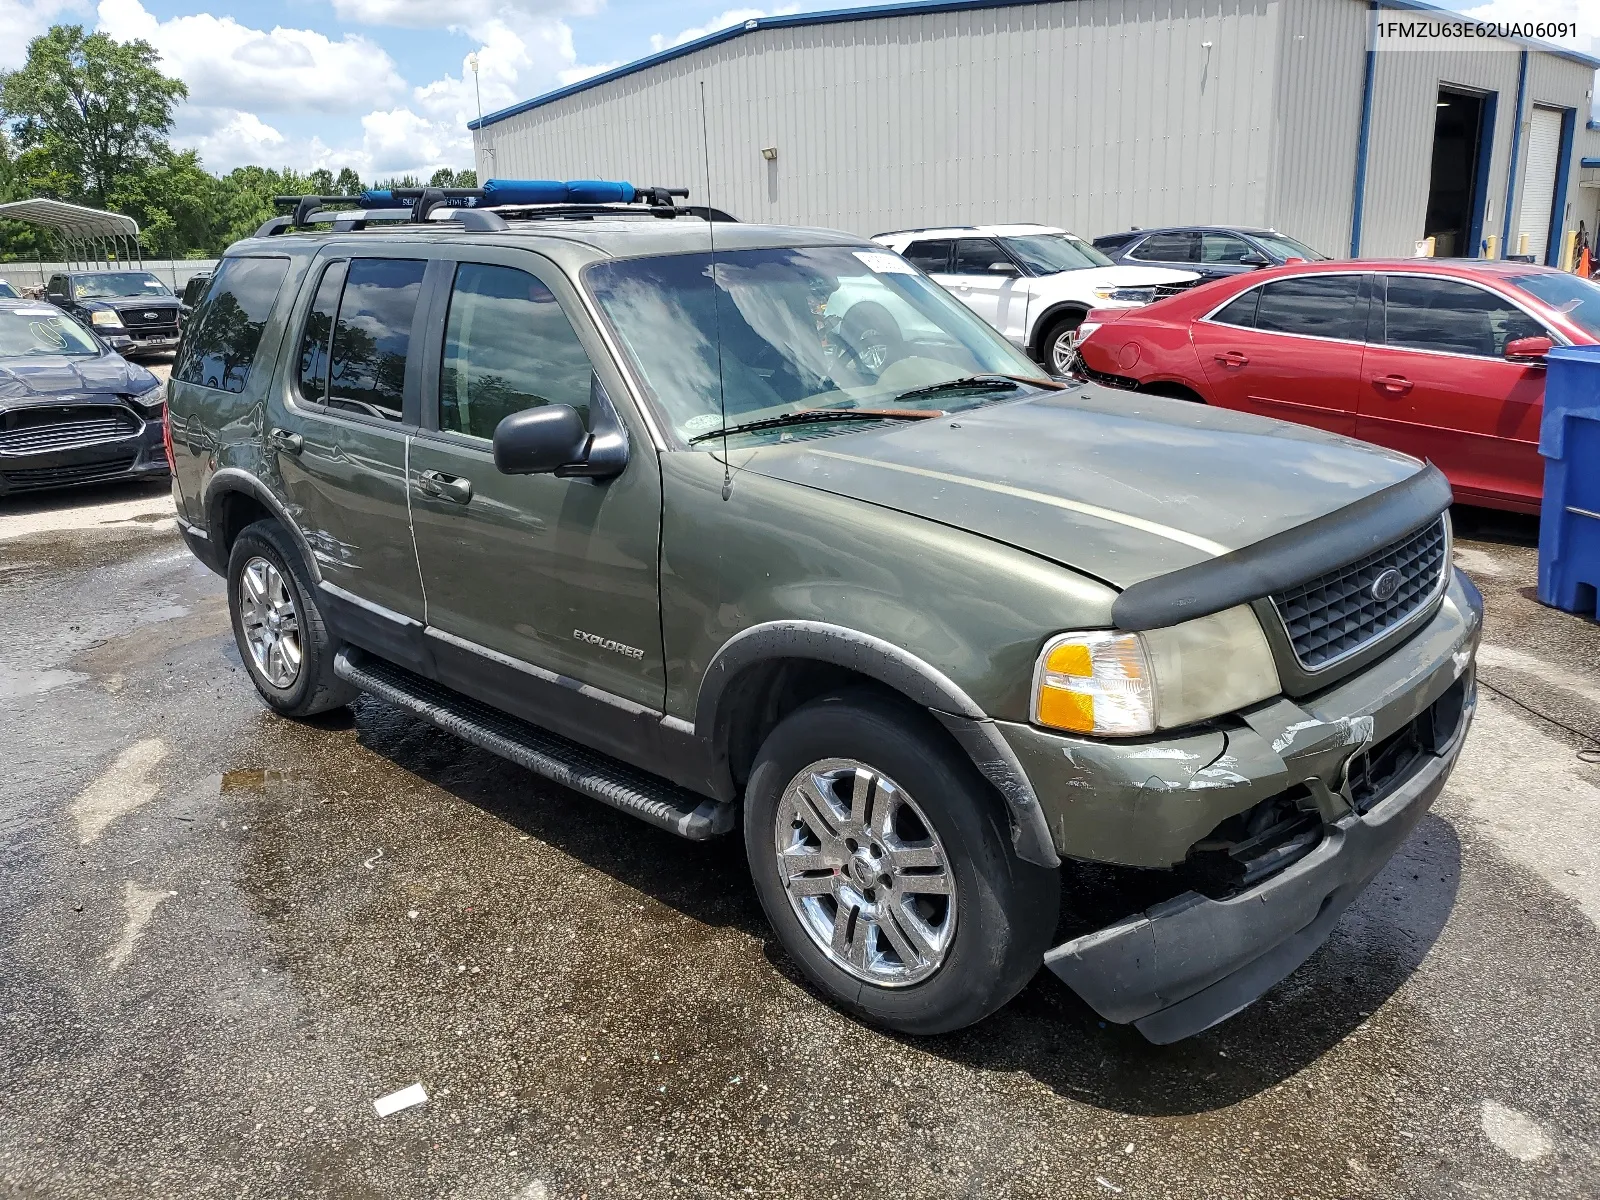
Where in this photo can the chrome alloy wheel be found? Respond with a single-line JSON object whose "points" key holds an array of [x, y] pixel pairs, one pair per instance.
{"points": [[271, 624], [865, 873], [1063, 353]]}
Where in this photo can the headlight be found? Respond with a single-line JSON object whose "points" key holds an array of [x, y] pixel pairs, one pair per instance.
{"points": [[1125, 684], [1131, 295], [151, 398], [103, 317]]}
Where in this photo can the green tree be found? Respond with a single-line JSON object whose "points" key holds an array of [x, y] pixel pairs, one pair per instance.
{"points": [[88, 113], [348, 183]]}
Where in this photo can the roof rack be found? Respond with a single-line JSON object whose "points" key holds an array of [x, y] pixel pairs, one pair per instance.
{"points": [[484, 209]]}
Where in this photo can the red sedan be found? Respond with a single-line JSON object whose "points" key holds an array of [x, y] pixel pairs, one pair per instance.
{"points": [[1442, 359]]}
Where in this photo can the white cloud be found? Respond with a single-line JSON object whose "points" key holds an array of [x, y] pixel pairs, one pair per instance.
{"points": [[229, 65], [23, 20], [734, 16], [577, 74], [461, 14]]}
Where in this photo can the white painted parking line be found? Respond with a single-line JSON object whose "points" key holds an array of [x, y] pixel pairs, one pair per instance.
{"points": [[1521, 788], [125, 785], [140, 904]]}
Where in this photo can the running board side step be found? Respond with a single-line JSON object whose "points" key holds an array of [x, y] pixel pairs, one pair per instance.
{"points": [[558, 759]]}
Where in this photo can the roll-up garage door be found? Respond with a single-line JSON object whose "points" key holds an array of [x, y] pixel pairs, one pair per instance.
{"points": [[1539, 180]]}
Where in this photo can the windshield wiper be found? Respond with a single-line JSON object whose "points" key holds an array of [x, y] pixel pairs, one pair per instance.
{"points": [[974, 383], [813, 416]]}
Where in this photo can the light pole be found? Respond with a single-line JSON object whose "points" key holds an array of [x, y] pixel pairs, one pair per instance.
{"points": [[472, 61]]}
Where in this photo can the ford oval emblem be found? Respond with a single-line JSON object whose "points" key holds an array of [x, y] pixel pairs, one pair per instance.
{"points": [[152, 316], [1386, 585]]}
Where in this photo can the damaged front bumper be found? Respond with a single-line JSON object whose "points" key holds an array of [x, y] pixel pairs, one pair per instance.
{"points": [[1367, 757]]}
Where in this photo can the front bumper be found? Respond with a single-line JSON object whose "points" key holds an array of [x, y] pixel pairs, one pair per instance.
{"points": [[140, 455], [1186, 963]]}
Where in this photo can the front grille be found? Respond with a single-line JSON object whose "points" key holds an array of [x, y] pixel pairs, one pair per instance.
{"points": [[164, 315], [48, 477], [1336, 615], [37, 431], [1163, 290]]}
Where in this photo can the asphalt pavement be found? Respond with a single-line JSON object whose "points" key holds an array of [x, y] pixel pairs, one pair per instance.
{"points": [[224, 935]]}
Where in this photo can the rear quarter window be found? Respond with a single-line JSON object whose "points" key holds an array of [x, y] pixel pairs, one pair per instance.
{"points": [[220, 342]]}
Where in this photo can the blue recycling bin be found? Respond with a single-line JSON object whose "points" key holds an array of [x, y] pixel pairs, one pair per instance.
{"points": [[1569, 440]]}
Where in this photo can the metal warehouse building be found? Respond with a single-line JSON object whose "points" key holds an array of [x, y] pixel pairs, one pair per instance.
{"points": [[1092, 114]]}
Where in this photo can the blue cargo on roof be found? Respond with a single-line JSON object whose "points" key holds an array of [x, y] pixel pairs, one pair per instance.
{"points": [[554, 191]]}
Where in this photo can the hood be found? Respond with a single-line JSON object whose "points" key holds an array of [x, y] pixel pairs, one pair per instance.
{"points": [[1093, 277], [1123, 487], [55, 378], [125, 303]]}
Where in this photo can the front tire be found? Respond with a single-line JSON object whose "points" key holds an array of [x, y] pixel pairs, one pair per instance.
{"points": [[1056, 349], [278, 627], [886, 868]]}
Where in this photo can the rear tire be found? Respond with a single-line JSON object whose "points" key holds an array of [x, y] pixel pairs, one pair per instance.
{"points": [[1056, 351], [278, 627], [902, 899]]}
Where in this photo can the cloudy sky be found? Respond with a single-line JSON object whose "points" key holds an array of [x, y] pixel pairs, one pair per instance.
{"points": [[383, 85]]}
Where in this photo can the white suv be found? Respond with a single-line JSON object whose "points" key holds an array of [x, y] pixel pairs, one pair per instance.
{"points": [[1033, 283]]}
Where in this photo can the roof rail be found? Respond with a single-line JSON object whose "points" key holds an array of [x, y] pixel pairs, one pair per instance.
{"points": [[471, 207]]}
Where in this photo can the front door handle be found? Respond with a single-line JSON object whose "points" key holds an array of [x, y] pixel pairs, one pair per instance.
{"points": [[1231, 358], [1395, 385], [282, 439], [446, 487]]}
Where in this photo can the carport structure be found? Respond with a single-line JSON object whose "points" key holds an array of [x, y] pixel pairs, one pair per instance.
{"points": [[85, 238]]}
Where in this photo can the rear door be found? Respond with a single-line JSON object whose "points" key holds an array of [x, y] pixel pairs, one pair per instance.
{"points": [[984, 278], [339, 432], [1289, 349], [542, 591], [1436, 384], [1179, 250]]}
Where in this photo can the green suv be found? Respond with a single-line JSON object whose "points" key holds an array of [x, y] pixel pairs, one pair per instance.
{"points": [[772, 535]]}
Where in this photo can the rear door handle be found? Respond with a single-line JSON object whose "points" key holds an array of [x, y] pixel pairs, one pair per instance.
{"points": [[282, 439], [1231, 358], [1395, 385], [446, 487]]}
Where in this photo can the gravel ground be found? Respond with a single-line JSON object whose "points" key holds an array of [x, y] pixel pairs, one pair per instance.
{"points": [[223, 935]]}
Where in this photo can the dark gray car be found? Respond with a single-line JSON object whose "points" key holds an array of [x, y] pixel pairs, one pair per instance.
{"points": [[1214, 251], [691, 534]]}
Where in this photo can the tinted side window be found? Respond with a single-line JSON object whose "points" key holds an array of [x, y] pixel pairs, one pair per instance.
{"points": [[314, 342], [1329, 306], [1169, 247], [932, 257], [372, 336], [1440, 314], [220, 341], [973, 256], [507, 347], [1241, 311], [1223, 248]]}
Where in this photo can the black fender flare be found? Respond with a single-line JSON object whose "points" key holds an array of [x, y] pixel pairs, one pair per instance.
{"points": [[230, 480], [917, 680], [1048, 318]]}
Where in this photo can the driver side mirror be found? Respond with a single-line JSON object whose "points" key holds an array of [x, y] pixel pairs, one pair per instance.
{"points": [[1528, 349], [552, 440], [1254, 259], [1003, 268]]}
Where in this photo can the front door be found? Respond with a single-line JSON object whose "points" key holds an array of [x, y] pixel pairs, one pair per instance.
{"points": [[1436, 384], [1289, 349], [339, 432], [983, 277], [542, 591]]}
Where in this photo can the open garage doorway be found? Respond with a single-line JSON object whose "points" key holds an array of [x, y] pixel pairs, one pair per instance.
{"points": [[1459, 182]]}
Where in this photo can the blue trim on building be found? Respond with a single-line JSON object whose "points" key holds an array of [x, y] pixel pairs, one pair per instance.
{"points": [[1589, 162], [1364, 139], [839, 16], [1552, 242], [1480, 185], [1516, 147]]}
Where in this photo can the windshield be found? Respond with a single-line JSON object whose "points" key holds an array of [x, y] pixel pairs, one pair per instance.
{"points": [[118, 283], [7, 291], [1287, 247], [43, 329], [1577, 299], [1047, 253], [799, 329]]}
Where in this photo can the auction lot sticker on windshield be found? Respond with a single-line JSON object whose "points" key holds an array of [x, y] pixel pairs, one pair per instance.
{"points": [[37, 312], [882, 263]]}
